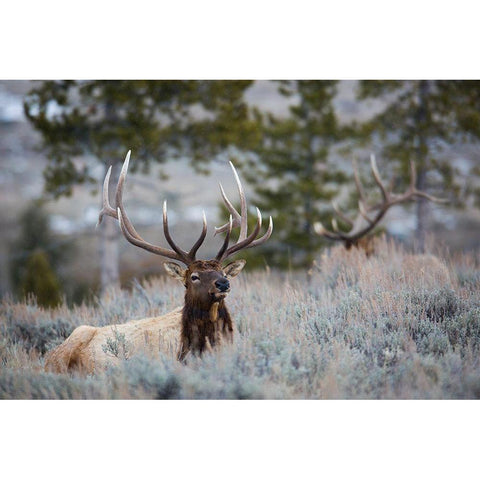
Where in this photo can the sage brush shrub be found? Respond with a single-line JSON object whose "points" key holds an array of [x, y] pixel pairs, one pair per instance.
{"points": [[464, 330], [41, 385], [32, 327], [117, 346], [393, 325], [436, 305], [149, 378]]}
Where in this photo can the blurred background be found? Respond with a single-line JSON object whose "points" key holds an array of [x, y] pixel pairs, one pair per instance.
{"points": [[292, 141]]}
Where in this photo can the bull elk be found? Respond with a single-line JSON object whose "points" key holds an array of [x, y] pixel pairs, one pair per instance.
{"points": [[369, 216], [204, 321]]}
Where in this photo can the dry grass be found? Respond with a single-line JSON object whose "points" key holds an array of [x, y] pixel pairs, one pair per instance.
{"points": [[390, 326]]}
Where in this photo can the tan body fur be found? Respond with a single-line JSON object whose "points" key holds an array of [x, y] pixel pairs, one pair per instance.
{"points": [[84, 349]]}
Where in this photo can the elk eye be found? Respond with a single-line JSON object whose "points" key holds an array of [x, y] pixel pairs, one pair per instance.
{"points": [[195, 278]]}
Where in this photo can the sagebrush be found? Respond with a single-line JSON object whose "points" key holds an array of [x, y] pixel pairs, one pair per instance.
{"points": [[393, 325]]}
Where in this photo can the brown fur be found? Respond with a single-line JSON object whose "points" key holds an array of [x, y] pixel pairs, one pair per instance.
{"points": [[200, 331], [206, 321], [367, 244]]}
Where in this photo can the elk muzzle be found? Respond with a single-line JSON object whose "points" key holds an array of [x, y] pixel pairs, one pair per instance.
{"points": [[223, 285], [219, 289]]}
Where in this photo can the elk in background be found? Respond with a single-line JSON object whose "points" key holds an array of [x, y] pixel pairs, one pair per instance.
{"points": [[204, 321], [369, 216]]}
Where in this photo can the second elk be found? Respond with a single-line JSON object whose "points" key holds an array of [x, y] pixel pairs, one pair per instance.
{"points": [[369, 216]]}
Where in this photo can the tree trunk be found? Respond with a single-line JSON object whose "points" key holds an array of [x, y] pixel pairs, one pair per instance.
{"points": [[109, 248], [421, 213], [109, 240], [308, 207], [5, 284], [421, 164]]}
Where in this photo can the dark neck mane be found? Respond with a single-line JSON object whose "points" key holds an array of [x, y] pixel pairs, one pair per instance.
{"points": [[204, 327]]}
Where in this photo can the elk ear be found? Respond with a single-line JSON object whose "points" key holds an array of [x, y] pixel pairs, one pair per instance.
{"points": [[175, 271], [234, 268]]}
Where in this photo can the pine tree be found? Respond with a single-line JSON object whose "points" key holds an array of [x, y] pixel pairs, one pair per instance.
{"points": [[40, 280], [157, 120], [34, 235], [419, 117], [295, 178]]}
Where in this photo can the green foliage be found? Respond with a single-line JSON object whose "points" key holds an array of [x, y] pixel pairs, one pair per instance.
{"points": [[35, 257], [158, 120], [40, 280], [34, 234], [294, 177]]}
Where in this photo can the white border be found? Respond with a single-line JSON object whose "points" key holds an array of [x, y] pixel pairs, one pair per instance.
{"points": [[239, 439], [249, 39]]}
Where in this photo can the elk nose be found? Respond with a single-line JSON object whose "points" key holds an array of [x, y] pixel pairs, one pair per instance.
{"points": [[223, 284]]}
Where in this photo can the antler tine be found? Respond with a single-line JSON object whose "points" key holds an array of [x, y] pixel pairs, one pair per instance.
{"points": [[139, 242], [264, 237], [119, 198], [235, 215], [419, 193], [106, 207], [412, 191], [243, 206], [319, 228], [224, 247], [247, 241], [239, 219], [358, 183], [433, 199], [376, 176], [341, 214], [166, 232], [200, 240], [363, 212], [324, 232]]}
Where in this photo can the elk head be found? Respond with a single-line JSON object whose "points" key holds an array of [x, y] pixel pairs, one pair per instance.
{"points": [[207, 282], [369, 216]]}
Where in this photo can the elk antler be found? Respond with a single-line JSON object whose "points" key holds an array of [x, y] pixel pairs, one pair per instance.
{"points": [[371, 214], [240, 220], [129, 231]]}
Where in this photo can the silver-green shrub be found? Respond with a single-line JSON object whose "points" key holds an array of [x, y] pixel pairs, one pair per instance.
{"points": [[389, 326]]}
